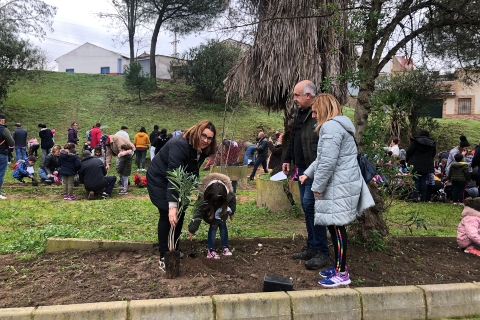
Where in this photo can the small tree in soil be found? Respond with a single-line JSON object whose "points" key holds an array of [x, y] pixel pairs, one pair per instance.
{"points": [[185, 185]]}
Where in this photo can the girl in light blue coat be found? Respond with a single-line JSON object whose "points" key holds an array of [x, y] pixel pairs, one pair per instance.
{"points": [[341, 194]]}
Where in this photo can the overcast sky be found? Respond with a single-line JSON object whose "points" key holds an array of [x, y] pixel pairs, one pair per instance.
{"points": [[76, 23]]}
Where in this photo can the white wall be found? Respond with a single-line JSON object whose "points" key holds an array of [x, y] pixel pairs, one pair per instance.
{"points": [[89, 59]]}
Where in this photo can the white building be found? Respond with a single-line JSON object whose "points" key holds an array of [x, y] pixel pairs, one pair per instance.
{"points": [[89, 58], [162, 64]]}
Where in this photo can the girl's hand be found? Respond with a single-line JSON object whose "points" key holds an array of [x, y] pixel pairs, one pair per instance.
{"points": [[316, 194], [190, 235], [172, 216], [302, 178]]}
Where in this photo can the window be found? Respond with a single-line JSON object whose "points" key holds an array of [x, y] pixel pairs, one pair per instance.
{"points": [[465, 106], [104, 70], [69, 70]]}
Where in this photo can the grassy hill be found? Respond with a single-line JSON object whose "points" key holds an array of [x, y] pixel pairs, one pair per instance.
{"points": [[58, 99]]}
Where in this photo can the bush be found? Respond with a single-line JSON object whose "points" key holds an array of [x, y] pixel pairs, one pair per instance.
{"points": [[137, 82], [206, 66]]}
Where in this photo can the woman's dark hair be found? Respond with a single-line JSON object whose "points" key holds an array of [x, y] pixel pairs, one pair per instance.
{"points": [[423, 133], [215, 196], [142, 129], [194, 136]]}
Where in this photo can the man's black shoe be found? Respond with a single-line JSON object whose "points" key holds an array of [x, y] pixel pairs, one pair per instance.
{"points": [[318, 261], [305, 254]]}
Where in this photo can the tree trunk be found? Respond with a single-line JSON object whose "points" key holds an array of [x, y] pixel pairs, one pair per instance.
{"points": [[172, 264], [372, 218], [153, 47]]}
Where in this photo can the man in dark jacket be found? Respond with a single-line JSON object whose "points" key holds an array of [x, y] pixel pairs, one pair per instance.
{"points": [[19, 135], [160, 141], [302, 151], [6, 141], [154, 135], [46, 142], [421, 154], [92, 175], [262, 154]]}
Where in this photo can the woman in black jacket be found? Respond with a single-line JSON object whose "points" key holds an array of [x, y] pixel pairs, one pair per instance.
{"points": [[421, 155], [189, 151], [46, 142]]}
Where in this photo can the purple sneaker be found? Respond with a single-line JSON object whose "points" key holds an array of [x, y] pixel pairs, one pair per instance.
{"points": [[335, 280], [66, 197]]}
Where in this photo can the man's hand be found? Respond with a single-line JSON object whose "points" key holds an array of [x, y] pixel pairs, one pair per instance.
{"points": [[107, 167], [286, 168], [303, 178], [316, 194], [172, 216], [190, 235]]}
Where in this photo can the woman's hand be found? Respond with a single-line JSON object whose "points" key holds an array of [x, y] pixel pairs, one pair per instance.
{"points": [[172, 216], [190, 235], [231, 217], [316, 194], [303, 178]]}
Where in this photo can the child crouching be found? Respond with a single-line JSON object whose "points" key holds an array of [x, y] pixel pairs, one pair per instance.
{"points": [[216, 202], [25, 169], [468, 237]]}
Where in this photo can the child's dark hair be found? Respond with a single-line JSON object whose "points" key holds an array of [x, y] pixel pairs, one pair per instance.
{"points": [[70, 147], [395, 140], [458, 157], [32, 158], [126, 147], [215, 196], [472, 203], [98, 147]]}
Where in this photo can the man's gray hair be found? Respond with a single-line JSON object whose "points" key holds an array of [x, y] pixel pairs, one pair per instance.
{"points": [[310, 88]]}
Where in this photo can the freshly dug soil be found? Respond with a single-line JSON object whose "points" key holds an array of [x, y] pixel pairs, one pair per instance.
{"points": [[81, 276]]}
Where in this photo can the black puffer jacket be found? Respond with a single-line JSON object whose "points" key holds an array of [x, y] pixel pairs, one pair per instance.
{"points": [[175, 153], [92, 173], [46, 137], [51, 163], [262, 148], [421, 154]]}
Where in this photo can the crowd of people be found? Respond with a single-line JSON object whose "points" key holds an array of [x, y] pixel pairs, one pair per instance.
{"points": [[321, 147]]}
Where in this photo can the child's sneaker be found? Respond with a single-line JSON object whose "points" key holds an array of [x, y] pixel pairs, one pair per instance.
{"points": [[327, 272], [66, 197], [162, 264], [226, 251], [105, 195], [212, 254], [472, 250], [336, 280], [123, 191]]}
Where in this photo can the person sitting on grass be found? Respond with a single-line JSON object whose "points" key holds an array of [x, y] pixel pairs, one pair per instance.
{"points": [[468, 231], [217, 202], [459, 175], [124, 168], [25, 169]]}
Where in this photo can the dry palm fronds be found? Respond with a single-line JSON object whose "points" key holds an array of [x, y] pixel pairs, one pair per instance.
{"points": [[288, 50]]}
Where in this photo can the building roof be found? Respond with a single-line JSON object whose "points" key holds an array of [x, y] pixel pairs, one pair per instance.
{"points": [[122, 55], [145, 55]]}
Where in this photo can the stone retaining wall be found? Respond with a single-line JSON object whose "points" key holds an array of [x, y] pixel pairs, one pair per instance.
{"points": [[405, 302]]}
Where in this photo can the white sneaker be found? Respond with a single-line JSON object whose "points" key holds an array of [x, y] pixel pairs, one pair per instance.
{"points": [[2, 197]]}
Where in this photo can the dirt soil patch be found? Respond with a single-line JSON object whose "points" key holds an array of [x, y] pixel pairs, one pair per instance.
{"points": [[94, 276]]}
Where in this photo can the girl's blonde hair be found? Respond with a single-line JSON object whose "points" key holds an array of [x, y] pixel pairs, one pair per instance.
{"points": [[56, 148], [326, 107]]}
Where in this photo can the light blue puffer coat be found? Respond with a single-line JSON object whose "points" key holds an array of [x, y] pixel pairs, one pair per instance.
{"points": [[336, 175]]}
